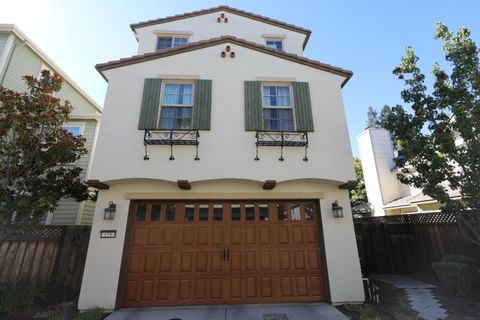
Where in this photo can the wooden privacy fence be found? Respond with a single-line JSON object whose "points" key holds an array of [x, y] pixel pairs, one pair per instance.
{"points": [[409, 243], [54, 255]]}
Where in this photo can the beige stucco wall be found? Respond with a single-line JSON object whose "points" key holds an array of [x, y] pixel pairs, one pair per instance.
{"points": [[205, 27], [102, 268], [227, 150]]}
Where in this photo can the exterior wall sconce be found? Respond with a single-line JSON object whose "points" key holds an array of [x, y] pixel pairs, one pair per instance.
{"points": [[337, 210], [110, 211]]}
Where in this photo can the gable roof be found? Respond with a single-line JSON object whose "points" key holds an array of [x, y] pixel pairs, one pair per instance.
{"points": [[11, 28], [215, 41], [242, 13]]}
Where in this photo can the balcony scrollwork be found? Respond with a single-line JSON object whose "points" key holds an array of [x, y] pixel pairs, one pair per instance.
{"points": [[281, 139], [175, 137]]}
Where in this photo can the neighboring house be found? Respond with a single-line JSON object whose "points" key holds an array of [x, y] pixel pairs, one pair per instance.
{"points": [[385, 192], [19, 56], [227, 224]]}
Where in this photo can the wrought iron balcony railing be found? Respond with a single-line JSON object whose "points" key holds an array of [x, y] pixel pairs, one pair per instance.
{"points": [[281, 139], [175, 137]]}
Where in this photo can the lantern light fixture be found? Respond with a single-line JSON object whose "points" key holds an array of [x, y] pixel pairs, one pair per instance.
{"points": [[110, 211], [337, 210]]}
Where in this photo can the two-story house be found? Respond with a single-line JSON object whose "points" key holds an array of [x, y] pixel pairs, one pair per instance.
{"points": [[19, 56], [223, 160]]}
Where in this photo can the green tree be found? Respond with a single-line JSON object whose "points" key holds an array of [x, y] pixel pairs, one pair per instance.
{"points": [[372, 118], [358, 195], [441, 137], [36, 153]]}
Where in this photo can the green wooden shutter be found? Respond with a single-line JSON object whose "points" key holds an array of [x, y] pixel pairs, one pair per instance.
{"points": [[202, 105], [303, 106], [253, 106], [150, 104]]}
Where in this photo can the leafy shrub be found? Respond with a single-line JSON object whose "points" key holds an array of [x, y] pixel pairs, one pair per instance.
{"points": [[455, 277], [367, 312], [407, 311], [20, 296], [461, 259]]}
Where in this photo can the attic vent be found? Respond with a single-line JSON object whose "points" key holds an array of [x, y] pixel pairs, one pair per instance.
{"points": [[222, 18], [227, 49]]}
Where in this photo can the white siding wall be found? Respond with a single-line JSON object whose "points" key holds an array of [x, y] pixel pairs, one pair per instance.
{"points": [[68, 209], [205, 27], [3, 40]]}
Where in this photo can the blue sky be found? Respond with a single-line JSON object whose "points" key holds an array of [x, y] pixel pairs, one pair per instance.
{"points": [[367, 37]]}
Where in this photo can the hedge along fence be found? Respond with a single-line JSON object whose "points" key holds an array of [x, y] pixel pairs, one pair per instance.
{"points": [[54, 255], [409, 243]]}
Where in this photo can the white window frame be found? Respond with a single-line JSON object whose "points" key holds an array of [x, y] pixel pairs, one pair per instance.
{"points": [[162, 93], [80, 125], [292, 102], [178, 36], [276, 39]]}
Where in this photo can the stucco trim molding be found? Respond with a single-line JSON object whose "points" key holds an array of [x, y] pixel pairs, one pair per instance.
{"points": [[223, 195]]}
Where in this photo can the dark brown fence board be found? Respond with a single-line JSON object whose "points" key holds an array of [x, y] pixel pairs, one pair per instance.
{"points": [[52, 254], [37, 260], [409, 243]]}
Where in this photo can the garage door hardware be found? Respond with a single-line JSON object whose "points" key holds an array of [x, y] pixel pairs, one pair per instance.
{"points": [[177, 137], [226, 254]]}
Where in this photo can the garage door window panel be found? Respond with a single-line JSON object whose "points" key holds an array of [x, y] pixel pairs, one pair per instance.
{"points": [[309, 211], [155, 212], [141, 212], [236, 212], [203, 212], [189, 213], [263, 212], [170, 212], [282, 212], [295, 211], [250, 212], [217, 212]]}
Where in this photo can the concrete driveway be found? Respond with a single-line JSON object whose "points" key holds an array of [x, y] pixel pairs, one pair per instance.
{"points": [[284, 311]]}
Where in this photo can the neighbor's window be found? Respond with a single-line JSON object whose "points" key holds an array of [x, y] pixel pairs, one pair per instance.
{"points": [[277, 108], [171, 42], [177, 105], [75, 130], [275, 44]]}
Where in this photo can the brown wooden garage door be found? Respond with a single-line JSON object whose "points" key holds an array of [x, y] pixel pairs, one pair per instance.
{"points": [[192, 253]]}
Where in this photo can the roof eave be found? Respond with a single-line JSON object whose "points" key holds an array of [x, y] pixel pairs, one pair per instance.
{"points": [[23, 37], [203, 44]]}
